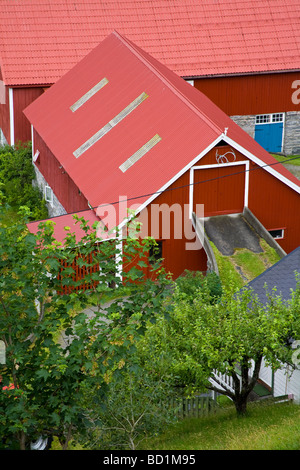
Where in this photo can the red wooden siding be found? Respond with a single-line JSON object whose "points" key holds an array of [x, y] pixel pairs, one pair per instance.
{"points": [[63, 186], [220, 189], [174, 248], [22, 97], [251, 94]]}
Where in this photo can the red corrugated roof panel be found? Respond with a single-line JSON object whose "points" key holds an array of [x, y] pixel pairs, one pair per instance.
{"points": [[181, 120], [40, 41], [65, 224]]}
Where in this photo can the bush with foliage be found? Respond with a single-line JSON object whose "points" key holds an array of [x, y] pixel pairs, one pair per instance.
{"points": [[16, 177], [58, 345], [193, 281]]}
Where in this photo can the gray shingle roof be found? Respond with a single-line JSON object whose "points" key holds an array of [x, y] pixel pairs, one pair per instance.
{"points": [[281, 275]]}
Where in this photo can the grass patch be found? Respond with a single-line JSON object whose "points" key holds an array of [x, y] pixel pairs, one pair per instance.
{"points": [[245, 265], [227, 269], [289, 159], [266, 427], [249, 262], [253, 264]]}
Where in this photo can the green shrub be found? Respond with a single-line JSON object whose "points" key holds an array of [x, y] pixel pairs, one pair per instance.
{"points": [[16, 177], [191, 281]]}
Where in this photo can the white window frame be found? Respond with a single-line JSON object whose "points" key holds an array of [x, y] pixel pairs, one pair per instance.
{"points": [[279, 237], [277, 117], [263, 119], [269, 118], [47, 198]]}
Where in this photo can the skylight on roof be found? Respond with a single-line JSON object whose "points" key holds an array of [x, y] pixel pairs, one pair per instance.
{"points": [[105, 129], [88, 95], [140, 153]]}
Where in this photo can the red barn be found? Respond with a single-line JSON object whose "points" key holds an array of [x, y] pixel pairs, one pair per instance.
{"points": [[244, 55], [120, 130]]}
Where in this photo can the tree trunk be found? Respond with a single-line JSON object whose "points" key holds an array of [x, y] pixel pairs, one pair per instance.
{"points": [[241, 405], [22, 440], [242, 388], [64, 441]]}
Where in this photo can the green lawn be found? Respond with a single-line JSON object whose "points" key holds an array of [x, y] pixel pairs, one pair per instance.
{"points": [[266, 427], [289, 159]]}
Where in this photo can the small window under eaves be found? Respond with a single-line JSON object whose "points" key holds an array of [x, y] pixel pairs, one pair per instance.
{"points": [[277, 233]]}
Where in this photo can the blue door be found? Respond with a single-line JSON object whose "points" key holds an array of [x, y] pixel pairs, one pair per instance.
{"points": [[269, 133]]}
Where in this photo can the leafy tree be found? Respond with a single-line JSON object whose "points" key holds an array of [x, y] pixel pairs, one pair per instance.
{"points": [[16, 177], [203, 338], [60, 339], [136, 406]]}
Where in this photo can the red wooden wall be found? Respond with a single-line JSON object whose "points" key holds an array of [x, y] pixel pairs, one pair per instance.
{"points": [[63, 186], [251, 94], [22, 97]]}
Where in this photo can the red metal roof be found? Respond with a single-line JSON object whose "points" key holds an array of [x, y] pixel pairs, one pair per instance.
{"points": [[62, 222], [185, 120], [41, 40]]}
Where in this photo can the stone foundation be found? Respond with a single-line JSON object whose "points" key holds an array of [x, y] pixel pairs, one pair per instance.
{"points": [[3, 140], [245, 122], [292, 133]]}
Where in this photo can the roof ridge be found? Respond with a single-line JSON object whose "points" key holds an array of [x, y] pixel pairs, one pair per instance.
{"points": [[138, 52]]}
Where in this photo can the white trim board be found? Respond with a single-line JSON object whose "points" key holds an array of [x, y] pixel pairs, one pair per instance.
{"points": [[11, 116]]}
